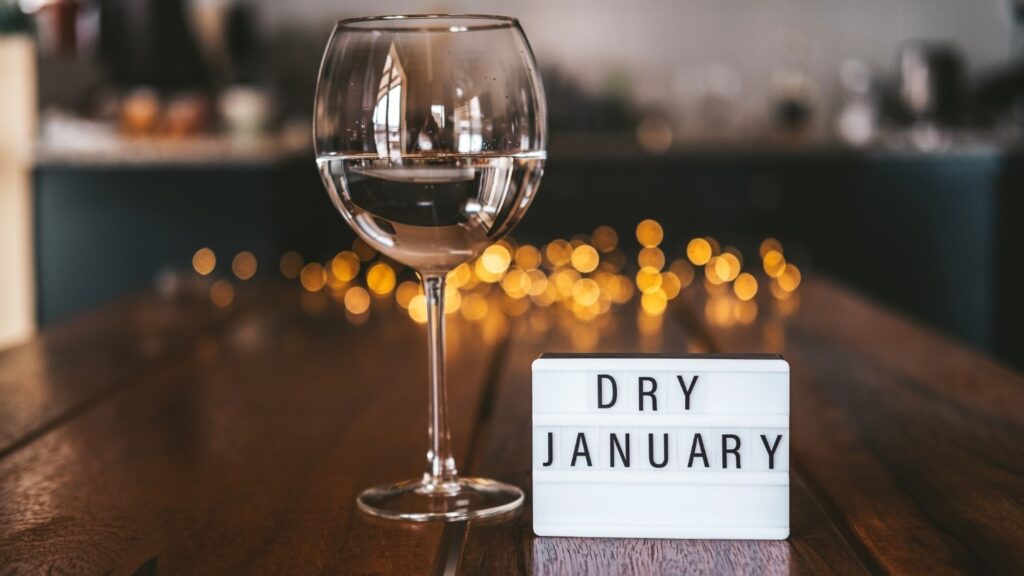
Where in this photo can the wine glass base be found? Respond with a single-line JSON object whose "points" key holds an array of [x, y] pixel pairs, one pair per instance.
{"points": [[463, 499]]}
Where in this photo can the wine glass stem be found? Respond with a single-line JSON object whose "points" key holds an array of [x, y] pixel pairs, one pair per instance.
{"points": [[441, 473]]}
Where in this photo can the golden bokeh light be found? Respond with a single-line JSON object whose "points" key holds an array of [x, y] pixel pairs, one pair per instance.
{"points": [[727, 267], [774, 263], [711, 271], [698, 251], [380, 279], [527, 257], [558, 253], [485, 275], [670, 285], [586, 292], [418, 309], [648, 280], [345, 266], [222, 293], [769, 244], [790, 278], [564, 280], [459, 276], [204, 261], [452, 300], [313, 277], [683, 270], [290, 264], [605, 238], [243, 265], [654, 303], [406, 291], [357, 300], [649, 233], [745, 286], [585, 258], [652, 257], [534, 282], [474, 307], [495, 259], [513, 282]]}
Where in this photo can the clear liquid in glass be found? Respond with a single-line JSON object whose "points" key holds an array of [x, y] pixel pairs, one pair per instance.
{"points": [[432, 212]]}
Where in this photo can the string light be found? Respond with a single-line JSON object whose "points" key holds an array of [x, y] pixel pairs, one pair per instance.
{"points": [[605, 238], [290, 264], [380, 279], [585, 258], [652, 257], [649, 233], [313, 277], [495, 260], [357, 300], [790, 278], [648, 280], [698, 251], [345, 266], [774, 263], [204, 261], [527, 257], [243, 265], [406, 291], [576, 281], [745, 286], [222, 293]]}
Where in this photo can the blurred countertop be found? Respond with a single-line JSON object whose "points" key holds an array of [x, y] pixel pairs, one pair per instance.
{"points": [[98, 148]]}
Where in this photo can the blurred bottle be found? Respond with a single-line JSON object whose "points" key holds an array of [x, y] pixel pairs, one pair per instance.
{"points": [[857, 121], [931, 92]]}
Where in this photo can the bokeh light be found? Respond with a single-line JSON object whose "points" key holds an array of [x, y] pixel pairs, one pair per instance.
{"points": [[649, 233], [698, 251], [357, 300], [605, 238], [585, 258], [204, 261], [243, 265], [313, 277], [222, 293], [345, 266], [774, 263], [380, 279], [290, 264], [745, 286]]}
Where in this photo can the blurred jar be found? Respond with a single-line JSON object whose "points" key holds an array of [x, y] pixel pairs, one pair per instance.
{"points": [[140, 112], [246, 111]]}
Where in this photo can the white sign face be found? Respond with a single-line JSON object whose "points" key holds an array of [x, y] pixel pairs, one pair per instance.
{"points": [[654, 446]]}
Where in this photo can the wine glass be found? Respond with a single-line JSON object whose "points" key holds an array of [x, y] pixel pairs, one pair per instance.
{"points": [[430, 138]]}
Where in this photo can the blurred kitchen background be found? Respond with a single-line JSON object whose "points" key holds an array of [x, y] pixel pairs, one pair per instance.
{"points": [[879, 141]]}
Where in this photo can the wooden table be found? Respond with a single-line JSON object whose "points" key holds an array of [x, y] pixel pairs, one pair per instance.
{"points": [[162, 435]]}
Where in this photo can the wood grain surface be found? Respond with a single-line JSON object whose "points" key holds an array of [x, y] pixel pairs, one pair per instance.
{"points": [[164, 436]]}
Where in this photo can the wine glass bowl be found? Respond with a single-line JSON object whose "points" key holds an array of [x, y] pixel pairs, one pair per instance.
{"points": [[429, 133]]}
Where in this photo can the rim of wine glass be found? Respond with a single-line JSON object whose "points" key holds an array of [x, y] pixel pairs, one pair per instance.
{"points": [[489, 22]]}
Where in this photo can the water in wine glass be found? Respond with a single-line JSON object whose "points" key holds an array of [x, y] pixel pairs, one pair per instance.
{"points": [[432, 211]]}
